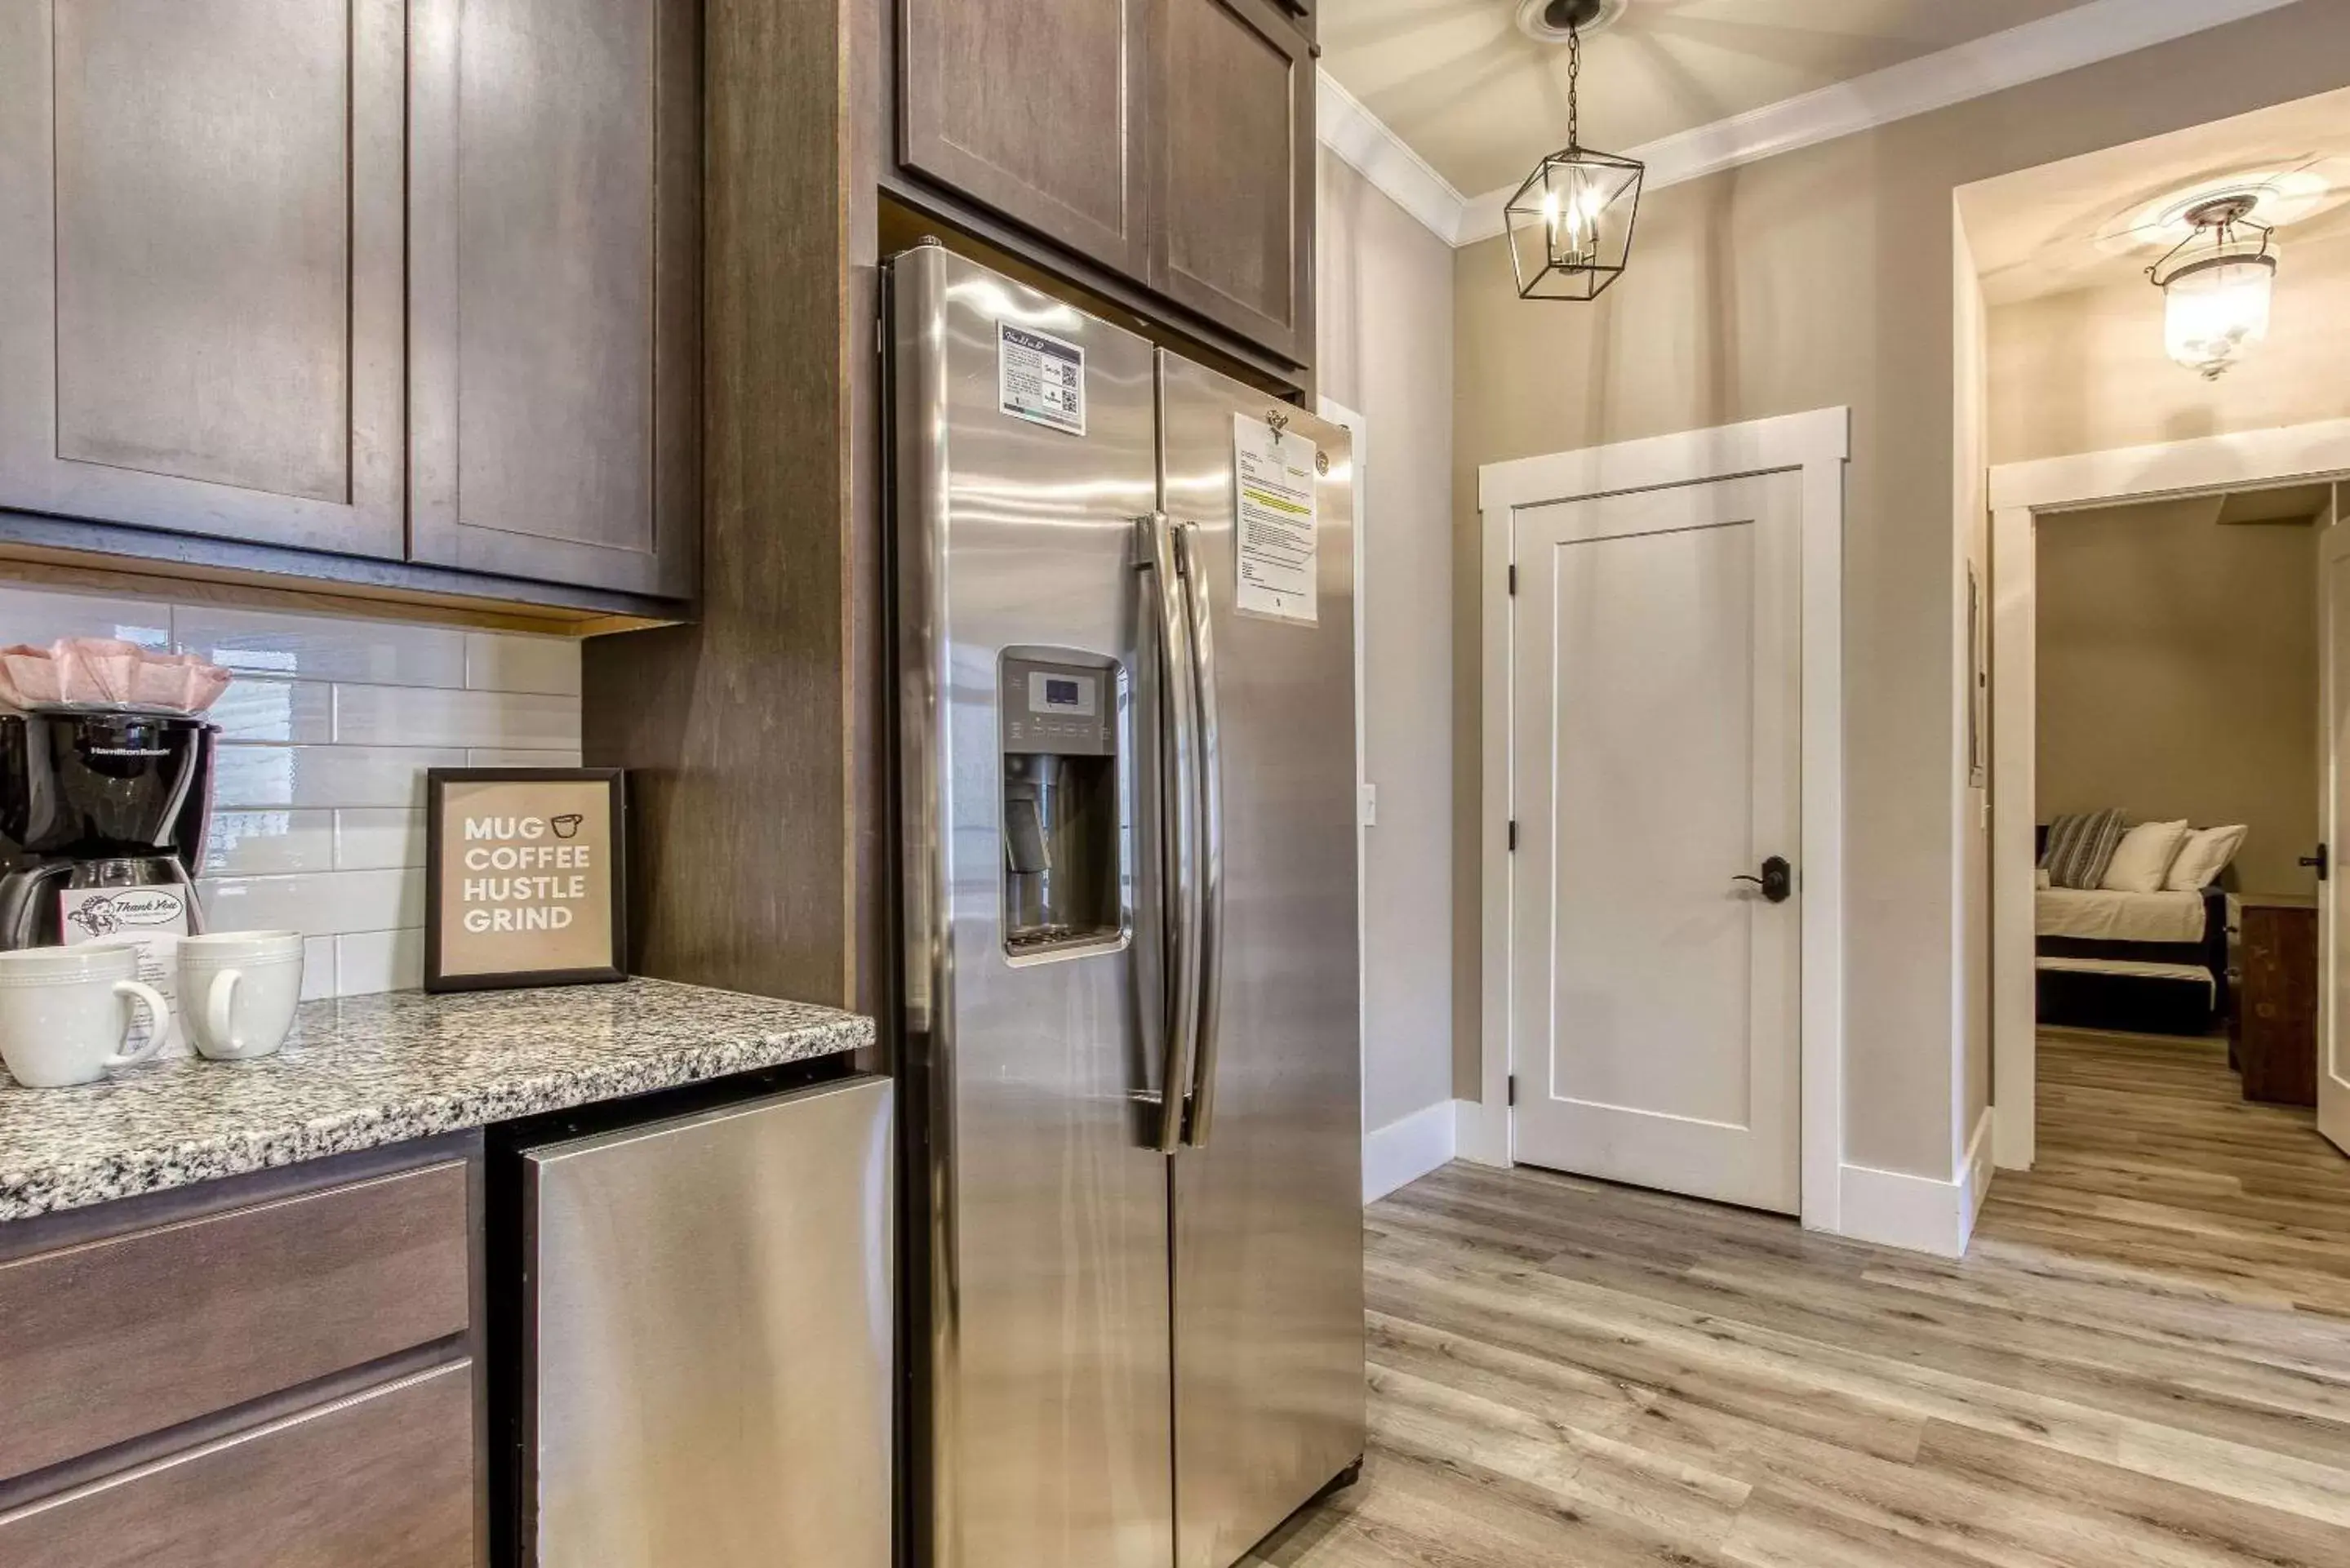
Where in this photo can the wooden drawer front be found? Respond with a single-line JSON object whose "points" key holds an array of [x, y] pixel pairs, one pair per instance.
{"points": [[383, 1478], [118, 1338]]}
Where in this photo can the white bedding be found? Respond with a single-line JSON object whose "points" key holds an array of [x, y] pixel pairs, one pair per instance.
{"points": [[2101, 914]]}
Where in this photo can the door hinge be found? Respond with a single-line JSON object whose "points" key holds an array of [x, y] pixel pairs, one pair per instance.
{"points": [[1514, 1090], [1514, 579], [1514, 836]]}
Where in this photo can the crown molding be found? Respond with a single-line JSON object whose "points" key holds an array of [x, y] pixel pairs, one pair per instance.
{"points": [[1364, 143], [2097, 30]]}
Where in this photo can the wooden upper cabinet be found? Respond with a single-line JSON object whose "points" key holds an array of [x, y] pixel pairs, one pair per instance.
{"points": [[1233, 169], [200, 267], [1033, 108], [554, 222]]}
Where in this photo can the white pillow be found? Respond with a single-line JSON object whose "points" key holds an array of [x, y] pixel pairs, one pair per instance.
{"points": [[2203, 857], [2144, 856], [2046, 879]]}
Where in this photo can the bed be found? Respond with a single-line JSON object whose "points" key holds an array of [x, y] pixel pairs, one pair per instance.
{"points": [[2148, 962]]}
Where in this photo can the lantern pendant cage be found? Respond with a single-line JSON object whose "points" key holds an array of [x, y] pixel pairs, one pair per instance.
{"points": [[1570, 225]]}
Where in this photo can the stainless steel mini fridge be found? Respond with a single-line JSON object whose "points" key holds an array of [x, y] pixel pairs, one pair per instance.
{"points": [[1124, 601], [706, 1338]]}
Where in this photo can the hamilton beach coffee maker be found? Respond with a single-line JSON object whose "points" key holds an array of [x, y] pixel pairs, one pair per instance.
{"points": [[111, 800]]}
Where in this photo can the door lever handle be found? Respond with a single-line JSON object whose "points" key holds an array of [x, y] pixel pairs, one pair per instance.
{"points": [[1777, 880]]}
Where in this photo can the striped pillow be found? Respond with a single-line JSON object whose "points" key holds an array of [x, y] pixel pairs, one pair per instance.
{"points": [[2081, 844]]}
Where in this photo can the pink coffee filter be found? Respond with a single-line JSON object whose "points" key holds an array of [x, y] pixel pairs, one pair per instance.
{"points": [[96, 671], [107, 672], [31, 676], [200, 684]]}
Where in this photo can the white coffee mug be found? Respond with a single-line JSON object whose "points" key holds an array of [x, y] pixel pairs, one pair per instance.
{"points": [[65, 1012], [238, 991]]}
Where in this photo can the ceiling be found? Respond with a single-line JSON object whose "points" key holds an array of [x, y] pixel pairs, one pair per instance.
{"points": [[2096, 220], [1479, 100]]}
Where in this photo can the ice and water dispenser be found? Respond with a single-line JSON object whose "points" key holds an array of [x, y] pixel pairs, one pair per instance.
{"points": [[1063, 827]]}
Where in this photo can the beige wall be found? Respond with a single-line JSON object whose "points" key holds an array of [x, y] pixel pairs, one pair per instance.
{"points": [[2178, 670], [2085, 372], [1385, 338], [1818, 278]]}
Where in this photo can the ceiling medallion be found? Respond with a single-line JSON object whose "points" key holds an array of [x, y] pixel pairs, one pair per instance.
{"points": [[2215, 285], [1551, 21], [1570, 225]]}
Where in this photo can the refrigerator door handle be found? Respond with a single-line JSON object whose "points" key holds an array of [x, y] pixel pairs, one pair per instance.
{"points": [[1179, 808], [1193, 565]]}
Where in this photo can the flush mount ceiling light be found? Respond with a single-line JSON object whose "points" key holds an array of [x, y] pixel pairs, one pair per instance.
{"points": [[1570, 225], [2215, 287]]}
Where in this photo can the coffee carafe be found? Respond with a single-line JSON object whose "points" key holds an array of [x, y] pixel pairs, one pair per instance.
{"points": [[114, 800]]}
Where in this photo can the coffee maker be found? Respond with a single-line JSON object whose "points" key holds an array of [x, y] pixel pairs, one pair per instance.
{"points": [[101, 798]]}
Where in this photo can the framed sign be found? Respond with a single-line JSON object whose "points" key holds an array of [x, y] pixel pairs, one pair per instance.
{"points": [[524, 878]]}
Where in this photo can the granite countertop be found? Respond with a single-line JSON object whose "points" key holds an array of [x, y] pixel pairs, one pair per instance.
{"points": [[363, 1070]]}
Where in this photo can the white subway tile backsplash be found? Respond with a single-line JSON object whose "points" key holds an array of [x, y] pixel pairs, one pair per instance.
{"points": [[377, 839], [368, 961], [319, 968], [41, 616], [282, 711], [327, 775], [322, 647], [418, 716], [502, 757], [263, 843], [321, 903], [318, 794], [509, 662]]}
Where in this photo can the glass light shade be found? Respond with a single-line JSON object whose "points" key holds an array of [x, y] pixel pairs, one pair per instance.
{"points": [[1570, 225], [2215, 310]]}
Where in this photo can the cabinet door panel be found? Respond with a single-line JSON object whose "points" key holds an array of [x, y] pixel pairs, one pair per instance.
{"points": [[1033, 108], [384, 1478], [1234, 161], [200, 267], [553, 216]]}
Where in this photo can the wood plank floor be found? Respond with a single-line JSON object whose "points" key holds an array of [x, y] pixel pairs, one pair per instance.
{"points": [[2144, 1361]]}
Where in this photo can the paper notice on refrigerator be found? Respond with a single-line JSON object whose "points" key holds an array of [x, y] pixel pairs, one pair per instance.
{"points": [[1040, 378], [1272, 475]]}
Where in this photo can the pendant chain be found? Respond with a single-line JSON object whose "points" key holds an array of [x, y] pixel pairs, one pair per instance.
{"points": [[1574, 78]]}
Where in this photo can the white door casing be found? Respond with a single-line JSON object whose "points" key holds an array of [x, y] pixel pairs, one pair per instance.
{"points": [[1657, 689], [2334, 819], [1814, 446]]}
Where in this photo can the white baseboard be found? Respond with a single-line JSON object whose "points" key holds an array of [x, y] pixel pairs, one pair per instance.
{"points": [[1406, 1149], [1480, 1135], [1977, 1176], [1894, 1208]]}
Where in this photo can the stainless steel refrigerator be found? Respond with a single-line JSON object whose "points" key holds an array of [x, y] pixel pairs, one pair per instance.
{"points": [[1124, 601]]}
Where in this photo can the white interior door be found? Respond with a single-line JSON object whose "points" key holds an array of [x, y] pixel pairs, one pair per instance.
{"points": [[1656, 679], [2334, 980]]}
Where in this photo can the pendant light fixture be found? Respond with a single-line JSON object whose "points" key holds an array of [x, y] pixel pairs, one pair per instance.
{"points": [[2215, 287], [1570, 225]]}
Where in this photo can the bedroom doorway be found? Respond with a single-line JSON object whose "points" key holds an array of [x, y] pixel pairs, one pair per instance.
{"points": [[2162, 779]]}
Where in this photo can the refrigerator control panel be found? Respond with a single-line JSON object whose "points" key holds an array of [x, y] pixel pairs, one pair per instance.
{"points": [[1069, 710]]}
